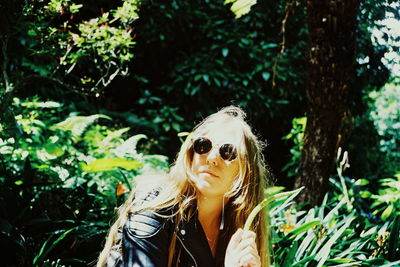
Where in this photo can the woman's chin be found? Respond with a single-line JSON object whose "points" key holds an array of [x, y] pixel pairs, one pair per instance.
{"points": [[203, 185], [206, 189]]}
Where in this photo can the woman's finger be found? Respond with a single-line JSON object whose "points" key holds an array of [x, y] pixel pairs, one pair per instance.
{"points": [[246, 243], [250, 259], [232, 252], [248, 253], [235, 240], [248, 234], [248, 250]]}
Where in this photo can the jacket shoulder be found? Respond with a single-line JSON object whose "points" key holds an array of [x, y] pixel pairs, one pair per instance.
{"points": [[144, 223], [147, 223]]}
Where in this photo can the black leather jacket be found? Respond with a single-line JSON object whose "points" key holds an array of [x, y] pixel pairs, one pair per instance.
{"points": [[145, 240]]}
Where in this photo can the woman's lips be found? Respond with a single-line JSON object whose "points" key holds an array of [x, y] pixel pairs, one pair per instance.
{"points": [[210, 173]]}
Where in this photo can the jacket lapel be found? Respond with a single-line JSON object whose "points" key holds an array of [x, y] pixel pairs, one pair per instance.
{"points": [[193, 239]]}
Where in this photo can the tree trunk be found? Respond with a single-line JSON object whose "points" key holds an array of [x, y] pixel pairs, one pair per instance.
{"points": [[332, 25]]}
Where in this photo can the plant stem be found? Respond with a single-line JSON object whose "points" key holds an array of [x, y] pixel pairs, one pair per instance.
{"points": [[264, 203]]}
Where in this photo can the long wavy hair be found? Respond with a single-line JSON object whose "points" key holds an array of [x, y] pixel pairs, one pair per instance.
{"points": [[246, 192]]}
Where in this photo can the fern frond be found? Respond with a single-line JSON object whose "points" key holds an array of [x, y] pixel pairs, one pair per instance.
{"points": [[78, 124]]}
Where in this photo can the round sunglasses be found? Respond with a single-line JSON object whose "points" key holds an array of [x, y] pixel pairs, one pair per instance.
{"points": [[204, 145]]}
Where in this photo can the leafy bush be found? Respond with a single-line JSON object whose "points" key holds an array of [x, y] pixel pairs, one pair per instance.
{"points": [[386, 202], [385, 114], [296, 136], [343, 231], [331, 235], [61, 180]]}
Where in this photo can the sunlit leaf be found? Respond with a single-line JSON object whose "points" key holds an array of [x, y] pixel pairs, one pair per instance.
{"points": [[387, 212], [266, 76], [240, 7], [77, 124], [47, 104], [304, 227], [111, 164]]}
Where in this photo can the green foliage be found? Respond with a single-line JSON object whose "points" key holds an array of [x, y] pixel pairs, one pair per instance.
{"points": [[76, 125], [330, 235], [65, 48], [106, 41], [374, 137], [60, 166], [59, 6], [385, 114], [59, 181], [296, 136], [386, 202], [240, 7], [168, 118], [343, 231], [193, 57]]}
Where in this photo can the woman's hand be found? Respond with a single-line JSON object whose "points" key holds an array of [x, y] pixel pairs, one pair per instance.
{"points": [[242, 250]]}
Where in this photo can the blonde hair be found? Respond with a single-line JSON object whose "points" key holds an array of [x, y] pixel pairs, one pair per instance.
{"points": [[246, 192]]}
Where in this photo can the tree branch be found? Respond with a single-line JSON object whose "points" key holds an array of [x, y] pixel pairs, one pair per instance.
{"points": [[6, 97], [4, 40], [36, 78], [288, 8]]}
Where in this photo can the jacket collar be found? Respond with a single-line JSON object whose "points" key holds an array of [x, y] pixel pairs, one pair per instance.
{"points": [[193, 239]]}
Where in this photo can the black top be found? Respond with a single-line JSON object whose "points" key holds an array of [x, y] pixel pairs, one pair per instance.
{"points": [[146, 238]]}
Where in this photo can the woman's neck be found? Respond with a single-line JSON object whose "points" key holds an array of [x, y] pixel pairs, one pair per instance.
{"points": [[209, 215], [209, 209]]}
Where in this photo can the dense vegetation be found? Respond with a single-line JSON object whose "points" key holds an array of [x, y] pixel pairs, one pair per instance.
{"points": [[94, 94]]}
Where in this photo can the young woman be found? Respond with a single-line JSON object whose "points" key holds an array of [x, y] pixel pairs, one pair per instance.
{"points": [[193, 216]]}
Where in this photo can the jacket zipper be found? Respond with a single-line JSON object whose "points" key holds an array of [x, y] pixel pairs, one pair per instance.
{"points": [[190, 254]]}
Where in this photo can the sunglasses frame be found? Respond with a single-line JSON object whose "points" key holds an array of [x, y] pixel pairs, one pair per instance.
{"points": [[233, 153]]}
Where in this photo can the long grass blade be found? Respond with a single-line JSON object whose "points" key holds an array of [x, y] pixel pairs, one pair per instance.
{"points": [[394, 242], [47, 246], [323, 254], [265, 202]]}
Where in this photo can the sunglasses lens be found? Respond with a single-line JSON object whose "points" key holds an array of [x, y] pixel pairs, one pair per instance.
{"points": [[228, 152], [202, 146]]}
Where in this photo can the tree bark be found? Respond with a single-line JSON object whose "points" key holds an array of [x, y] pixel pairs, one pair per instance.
{"points": [[332, 25]]}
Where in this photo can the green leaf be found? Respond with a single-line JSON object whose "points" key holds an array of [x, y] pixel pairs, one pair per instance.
{"points": [[240, 7], [166, 126], [362, 182], [54, 150], [290, 255], [49, 152], [266, 76], [303, 228], [290, 195], [304, 261], [206, 78], [12, 234], [183, 134], [111, 164], [270, 45], [34, 104], [272, 190], [114, 135], [128, 147], [48, 246], [323, 254], [394, 238], [341, 260], [225, 51], [386, 213], [365, 194], [78, 124]]}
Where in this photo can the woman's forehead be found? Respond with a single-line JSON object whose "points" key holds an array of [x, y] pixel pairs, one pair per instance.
{"points": [[223, 132]]}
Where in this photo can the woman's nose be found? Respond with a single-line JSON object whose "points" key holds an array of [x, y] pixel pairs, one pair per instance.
{"points": [[212, 157]]}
